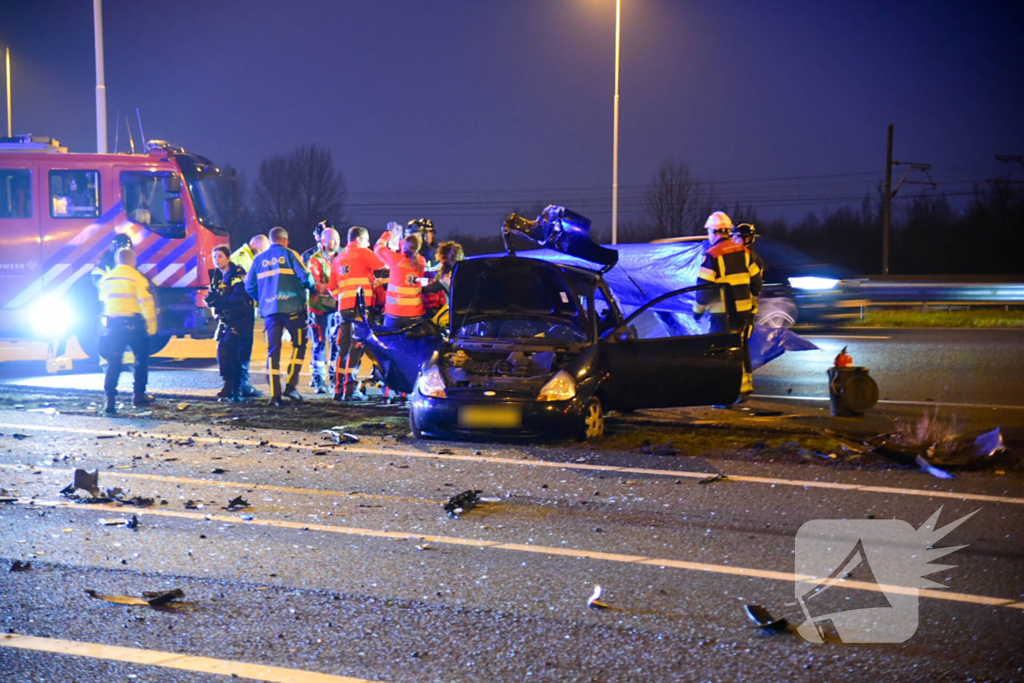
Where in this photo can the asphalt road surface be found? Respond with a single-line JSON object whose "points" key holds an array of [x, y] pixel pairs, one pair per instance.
{"points": [[344, 565]]}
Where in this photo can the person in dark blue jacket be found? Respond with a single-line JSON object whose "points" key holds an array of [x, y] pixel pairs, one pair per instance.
{"points": [[233, 307], [279, 282]]}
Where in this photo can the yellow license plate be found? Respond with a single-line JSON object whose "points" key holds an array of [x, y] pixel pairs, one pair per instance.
{"points": [[498, 416]]}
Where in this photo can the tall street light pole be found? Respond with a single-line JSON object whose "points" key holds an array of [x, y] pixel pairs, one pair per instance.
{"points": [[615, 135], [101, 86]]}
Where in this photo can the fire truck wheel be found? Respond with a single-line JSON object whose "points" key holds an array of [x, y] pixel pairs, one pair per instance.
{"points": [[157, 343]]}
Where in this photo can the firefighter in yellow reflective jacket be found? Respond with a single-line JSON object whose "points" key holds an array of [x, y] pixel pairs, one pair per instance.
{"points": [[732, 264], [129, 319]]}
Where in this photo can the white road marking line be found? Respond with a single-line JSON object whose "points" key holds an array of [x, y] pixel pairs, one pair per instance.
{"points": [[898, 403], [339, 450], [170, 660], [546, 550]]}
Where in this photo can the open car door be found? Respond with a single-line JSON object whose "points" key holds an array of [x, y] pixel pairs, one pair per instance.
{"points": [[662, 356]]}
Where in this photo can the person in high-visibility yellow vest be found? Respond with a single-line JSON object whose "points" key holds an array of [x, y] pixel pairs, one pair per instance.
{"points": [[129, 319]]}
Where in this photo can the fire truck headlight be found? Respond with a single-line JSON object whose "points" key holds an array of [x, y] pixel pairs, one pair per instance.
{"points": [[51, 316]]}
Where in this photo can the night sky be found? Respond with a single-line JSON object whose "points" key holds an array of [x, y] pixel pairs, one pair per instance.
{"points": [[463, 111]]}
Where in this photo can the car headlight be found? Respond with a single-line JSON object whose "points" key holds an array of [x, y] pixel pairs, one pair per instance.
{"points": [[431, 383], [561, 387], [813, 283], [51, 316]]}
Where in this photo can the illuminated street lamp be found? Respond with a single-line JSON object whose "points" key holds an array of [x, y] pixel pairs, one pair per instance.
{"points": [[615, 135]]}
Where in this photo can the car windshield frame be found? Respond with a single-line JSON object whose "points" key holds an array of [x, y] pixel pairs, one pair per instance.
{"points": [[569, 282]]}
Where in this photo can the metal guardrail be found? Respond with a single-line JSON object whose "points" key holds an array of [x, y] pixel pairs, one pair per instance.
{"points": [[940, 293]]}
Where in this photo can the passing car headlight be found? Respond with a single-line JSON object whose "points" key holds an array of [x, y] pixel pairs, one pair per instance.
{"points": [[813, 283], [431, 383], [561, 387], [51, 316]]}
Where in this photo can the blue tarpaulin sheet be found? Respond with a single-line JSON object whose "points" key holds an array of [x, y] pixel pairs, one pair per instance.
{"points": [[658, 269]]}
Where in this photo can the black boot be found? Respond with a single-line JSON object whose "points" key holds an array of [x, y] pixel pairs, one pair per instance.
{"points": [[111, 408], [143, 400]]}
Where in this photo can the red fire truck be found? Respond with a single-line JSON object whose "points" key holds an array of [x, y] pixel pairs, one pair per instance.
{"points": [[59, 213]]}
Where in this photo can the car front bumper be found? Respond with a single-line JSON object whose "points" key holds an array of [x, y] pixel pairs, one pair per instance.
{"points": [[439, 418]]}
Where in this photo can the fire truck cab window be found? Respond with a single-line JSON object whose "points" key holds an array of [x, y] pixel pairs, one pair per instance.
{"points": [[75, 194], [145, 199], [15, 193]]}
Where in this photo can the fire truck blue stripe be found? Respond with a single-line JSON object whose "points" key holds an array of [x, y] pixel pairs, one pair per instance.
{"points": [[188, 243], [67, 249], [154, 248]]}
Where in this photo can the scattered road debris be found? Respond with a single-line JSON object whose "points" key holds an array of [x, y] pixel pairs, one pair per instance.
{"points": [[462, 502], [19, 566], [133, 523], [150, 598], [218, 470], [237, 503], [182, 406], [763, 619], [19, 437], [339, 437], [595, 598], [84, 481], [193, 505], [667, 448], [425, 546], [721, 476], [927, 467], [113, 521]]}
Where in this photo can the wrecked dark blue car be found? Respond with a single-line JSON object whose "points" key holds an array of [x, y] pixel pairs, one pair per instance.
{"points": [[537, 348]]}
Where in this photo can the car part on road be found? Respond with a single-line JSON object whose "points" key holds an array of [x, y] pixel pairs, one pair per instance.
{"points": [[593, 420], [19, 566], [721, 476], [237, 503], [462, 502], [84, 481], [851, 391], [340, 437], [149, 599], [763, 619]]}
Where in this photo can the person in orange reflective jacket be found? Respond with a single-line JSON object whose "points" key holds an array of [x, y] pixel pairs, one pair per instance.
{"points": [[352, 270], [404, 304]]}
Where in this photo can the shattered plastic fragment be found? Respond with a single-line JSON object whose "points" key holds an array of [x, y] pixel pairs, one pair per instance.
{"points": [[721, 476], [595, 598], [236, 503], [19, 566], [85, 481], [462, 502], [931, 469], [762, 618]]}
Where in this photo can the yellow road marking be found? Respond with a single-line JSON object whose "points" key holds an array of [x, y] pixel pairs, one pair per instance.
{"points": [[349, 450], [170, 660], [545, 550]]}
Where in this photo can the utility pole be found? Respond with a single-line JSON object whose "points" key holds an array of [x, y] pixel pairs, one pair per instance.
{"points": [[101, 86], [887, 204], [890, 193]]}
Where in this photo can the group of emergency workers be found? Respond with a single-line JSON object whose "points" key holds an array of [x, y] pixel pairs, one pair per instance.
{"points": [[312, 296], [405, 277]]}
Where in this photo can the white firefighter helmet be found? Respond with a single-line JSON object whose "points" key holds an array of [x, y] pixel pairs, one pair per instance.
{"points": [[719, 222]]}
